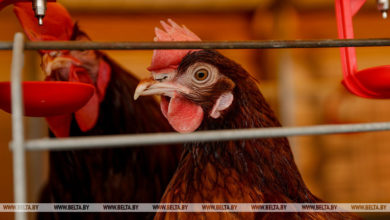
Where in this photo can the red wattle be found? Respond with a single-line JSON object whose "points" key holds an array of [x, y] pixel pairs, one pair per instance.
{"points": [[104, 76], [87, 116], [183, 115]]}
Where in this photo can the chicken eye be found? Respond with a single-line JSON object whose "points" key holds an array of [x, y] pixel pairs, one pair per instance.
{"points": [[201, 74]]}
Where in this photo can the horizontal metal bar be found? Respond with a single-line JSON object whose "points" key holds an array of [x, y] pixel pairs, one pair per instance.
{"points": [[200, 136], [269, 44]]}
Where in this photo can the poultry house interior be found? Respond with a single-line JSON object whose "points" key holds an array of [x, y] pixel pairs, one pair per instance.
{"points": [[303, 87]]}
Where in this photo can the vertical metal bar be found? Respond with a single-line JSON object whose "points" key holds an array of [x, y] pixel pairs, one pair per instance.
{"points": [[17, 124]]}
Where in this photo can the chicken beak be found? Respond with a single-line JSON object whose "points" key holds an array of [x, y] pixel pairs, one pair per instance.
{"points": [[152, 87], [50, 63]]}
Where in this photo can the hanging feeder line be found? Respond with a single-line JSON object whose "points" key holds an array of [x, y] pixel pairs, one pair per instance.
{"points": [[269, 44]]}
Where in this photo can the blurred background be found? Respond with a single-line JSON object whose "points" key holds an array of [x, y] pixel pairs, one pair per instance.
{"points": [[302, 85]]}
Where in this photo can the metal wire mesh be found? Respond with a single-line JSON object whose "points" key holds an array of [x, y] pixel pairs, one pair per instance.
{"points": [[19, 145]]}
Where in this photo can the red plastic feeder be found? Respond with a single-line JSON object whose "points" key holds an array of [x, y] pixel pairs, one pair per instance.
{"points": [[48, 98], [373, 82]]}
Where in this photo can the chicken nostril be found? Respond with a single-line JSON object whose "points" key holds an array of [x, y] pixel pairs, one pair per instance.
{"points": [[161, 77]]}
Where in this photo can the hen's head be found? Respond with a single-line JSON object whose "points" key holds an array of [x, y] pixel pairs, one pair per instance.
{"points": [[72, 65], [164, 68], [67, 65], [200, 85]]}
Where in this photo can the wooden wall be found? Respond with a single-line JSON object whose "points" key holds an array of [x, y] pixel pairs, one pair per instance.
{"points": [[303, 86]]}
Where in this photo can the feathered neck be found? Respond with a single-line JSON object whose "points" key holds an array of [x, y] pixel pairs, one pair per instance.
{"points": [[265, 163]]}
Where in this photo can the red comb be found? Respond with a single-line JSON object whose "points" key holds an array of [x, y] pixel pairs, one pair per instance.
{"points": [[169, 59], [58, 25]]}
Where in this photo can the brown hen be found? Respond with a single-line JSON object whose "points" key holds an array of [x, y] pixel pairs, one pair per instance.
{"points": [[208, 91]]}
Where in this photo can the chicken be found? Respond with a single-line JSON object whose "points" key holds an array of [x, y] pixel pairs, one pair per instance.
{"points": [[208, 91], [137, 175]]}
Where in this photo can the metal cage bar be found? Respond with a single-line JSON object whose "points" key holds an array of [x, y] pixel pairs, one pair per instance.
{"points": [[269, 44], [19, 166], [200, 136]]}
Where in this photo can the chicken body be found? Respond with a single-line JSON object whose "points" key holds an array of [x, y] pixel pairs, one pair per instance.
{"points": [[248, 171]]}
